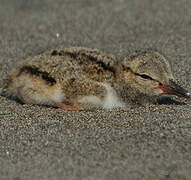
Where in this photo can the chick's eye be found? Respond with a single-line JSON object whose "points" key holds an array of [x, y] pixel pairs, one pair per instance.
{"points": [[144, 76]]}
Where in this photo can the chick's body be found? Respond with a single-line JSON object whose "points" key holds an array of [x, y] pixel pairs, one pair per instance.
{"points": [[85, 78], [76, 76]]}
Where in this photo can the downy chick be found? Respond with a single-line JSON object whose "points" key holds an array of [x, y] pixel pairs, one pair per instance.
{"points": [[82, 78]]}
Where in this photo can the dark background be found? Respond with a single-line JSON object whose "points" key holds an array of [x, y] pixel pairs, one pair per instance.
{"points": [[152, 142]]}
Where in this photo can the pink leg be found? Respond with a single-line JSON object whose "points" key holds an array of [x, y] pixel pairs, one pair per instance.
{"points": [[66, 107]]}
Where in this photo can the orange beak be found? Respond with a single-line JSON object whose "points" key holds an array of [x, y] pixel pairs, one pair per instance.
{"points": [[174, 89]]}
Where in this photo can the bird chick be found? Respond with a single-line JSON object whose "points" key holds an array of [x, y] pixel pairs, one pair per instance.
{"points": [[83, 78]]}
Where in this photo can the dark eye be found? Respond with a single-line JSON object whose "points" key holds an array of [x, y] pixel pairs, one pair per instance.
{"points": [[144, 76]]}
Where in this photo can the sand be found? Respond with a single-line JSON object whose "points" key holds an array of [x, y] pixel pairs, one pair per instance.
{"points": [[142, 143]]}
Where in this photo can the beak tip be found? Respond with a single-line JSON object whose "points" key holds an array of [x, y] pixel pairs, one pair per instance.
{"points": [[188, 95]]}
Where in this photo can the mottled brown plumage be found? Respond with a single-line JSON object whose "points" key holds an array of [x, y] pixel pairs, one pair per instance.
{"points": [[85, 78]]}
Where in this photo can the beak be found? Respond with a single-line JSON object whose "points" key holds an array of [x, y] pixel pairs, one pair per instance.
{"points": [[174, 89]]}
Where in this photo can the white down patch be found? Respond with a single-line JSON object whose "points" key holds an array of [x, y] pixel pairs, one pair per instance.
{"points": [[111, 100], [108, 102]]}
